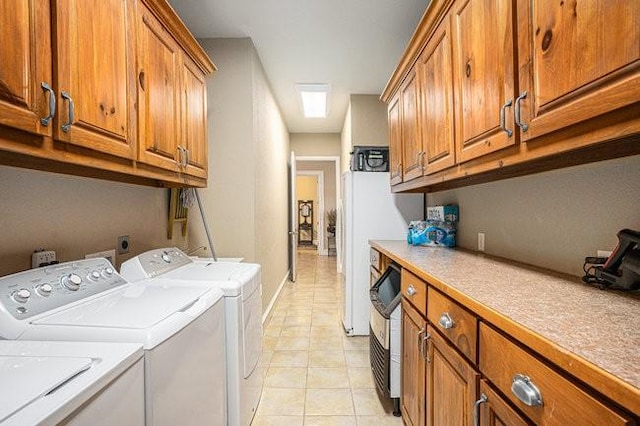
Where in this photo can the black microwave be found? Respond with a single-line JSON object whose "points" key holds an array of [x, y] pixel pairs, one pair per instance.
{"points": [[370, 159]]}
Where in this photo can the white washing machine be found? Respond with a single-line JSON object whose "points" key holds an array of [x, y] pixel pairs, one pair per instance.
{"points": [[180, 328], [74, 383], [241, 283]]}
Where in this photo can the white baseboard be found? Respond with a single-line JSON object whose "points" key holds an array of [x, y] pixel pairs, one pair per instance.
{"points": [[274, 299]]}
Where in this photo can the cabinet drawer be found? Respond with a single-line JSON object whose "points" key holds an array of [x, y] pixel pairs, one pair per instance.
{"points": [[563, 403], [456, 323], [414, 290], [374, 259]]}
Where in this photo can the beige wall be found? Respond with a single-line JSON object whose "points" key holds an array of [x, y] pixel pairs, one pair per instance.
{"points": [[75, 216], [315, 144], [552, 219], [230, 211], [307, 189], [329, 169], [271, 211], [365, 124], [345, 142], [369, 121], [246, 200]]}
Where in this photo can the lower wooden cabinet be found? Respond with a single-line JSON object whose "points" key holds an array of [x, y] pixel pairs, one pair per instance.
{"points": [[492, 410], [412, 396], [451, 386]]}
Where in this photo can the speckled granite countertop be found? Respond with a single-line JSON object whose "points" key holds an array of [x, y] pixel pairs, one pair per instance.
{"points": [[591, 333]]}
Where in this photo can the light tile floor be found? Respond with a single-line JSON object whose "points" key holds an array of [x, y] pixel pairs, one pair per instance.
{"points": [[314, 373]]}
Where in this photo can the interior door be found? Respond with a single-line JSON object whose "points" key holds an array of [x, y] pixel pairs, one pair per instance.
{"points": [[293, 214]]}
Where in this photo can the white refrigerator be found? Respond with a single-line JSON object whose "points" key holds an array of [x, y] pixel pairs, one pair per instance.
{"points": [[369, 211]]}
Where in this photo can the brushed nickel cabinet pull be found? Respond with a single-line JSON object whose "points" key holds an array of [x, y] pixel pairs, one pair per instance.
{"points": [[518, 119], [509, 132], [52, 104], [524, 389], [476, 409], [68, 124]]}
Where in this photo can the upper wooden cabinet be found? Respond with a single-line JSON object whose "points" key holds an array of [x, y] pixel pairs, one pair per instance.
{"points": [[507, 88], [483, 76], [194, 119], [578, 60], [158, 93], [395, 141], [27, 97], [436, 95], [411, 142], [95, 70], [113, 89]]}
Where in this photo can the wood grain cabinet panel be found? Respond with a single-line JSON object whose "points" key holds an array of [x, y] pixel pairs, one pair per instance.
{"points": [[495, 411], [95, 45], [413, 382], [411, 142], [578, 60], [395, 141], [452, 384], [436, 101], [414, 291], [25, 36], [158, 94], [454, 322], [562, 402], [484, 76], [194, 119]]}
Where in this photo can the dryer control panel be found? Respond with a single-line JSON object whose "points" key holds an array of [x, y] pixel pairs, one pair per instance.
{"points": [[152, 263], [32, 292]]}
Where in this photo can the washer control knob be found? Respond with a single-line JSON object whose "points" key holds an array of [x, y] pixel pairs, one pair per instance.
{"points": [[166, 257], [44, 290], [21, 310], [107, 272], [94, 276], [72, 281], [22, 295]]}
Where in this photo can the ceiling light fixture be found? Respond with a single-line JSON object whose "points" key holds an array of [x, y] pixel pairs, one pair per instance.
{"points": [[315, 99]]}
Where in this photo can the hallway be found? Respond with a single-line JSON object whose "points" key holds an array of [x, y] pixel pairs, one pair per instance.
{"points": [[315, 375]]}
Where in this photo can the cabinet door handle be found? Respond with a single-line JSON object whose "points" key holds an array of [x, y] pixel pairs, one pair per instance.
{"points": [[422, 155], [52, 104], [518, 119], [411, 290], [524, 389], [68, 124], [187, 157], [446, 321], [180, 160], [420, 347], [423, 347], [141, 80], [502, 118], [476, 409]]}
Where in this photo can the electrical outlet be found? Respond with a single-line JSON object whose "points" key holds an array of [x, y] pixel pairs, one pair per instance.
{"points": [[42, 257], [480, 241], [123, 244], [110, 255], [603, 253]]}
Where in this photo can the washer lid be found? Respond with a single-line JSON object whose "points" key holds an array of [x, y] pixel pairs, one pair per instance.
{"points": [[233, 278], [138, 306], [28, 378]]}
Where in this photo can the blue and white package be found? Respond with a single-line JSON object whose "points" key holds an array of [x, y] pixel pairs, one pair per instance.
{"points": [[433, 233]]}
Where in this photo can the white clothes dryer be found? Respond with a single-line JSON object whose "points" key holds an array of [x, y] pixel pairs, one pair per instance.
{"points": [[242, 287], [180, 328], [74, 383]]}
